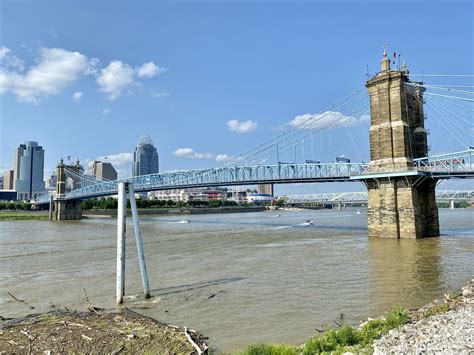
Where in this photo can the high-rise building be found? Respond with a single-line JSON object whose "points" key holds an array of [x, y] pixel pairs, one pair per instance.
{"points": [[8, 180], [28, 168], [102, 170], [145, 158]]}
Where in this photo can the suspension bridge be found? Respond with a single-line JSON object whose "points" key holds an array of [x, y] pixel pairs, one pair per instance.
{"points": [[401, 175]]}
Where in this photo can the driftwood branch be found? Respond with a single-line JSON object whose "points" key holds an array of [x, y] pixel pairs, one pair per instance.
{"points": [[21, 301], [90, 307], [198, 349]]}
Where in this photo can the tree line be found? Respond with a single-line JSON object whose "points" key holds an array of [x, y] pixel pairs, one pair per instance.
{"points": [[111, 203]]}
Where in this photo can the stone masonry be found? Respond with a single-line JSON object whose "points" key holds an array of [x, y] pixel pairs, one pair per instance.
{"points": [[401, 205], [61, 209]]}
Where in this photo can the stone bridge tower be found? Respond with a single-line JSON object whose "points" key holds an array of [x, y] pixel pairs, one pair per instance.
{"points": [[401, 200], [59, 208]]}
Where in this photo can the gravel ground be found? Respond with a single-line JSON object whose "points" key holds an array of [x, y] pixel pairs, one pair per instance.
{"points": [[445, 333]]}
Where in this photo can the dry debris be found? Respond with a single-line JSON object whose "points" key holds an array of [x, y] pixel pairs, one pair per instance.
{"points": [[96, 332]]}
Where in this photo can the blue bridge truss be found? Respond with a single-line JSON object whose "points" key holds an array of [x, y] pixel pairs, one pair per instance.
{"points": [[445, 166]]}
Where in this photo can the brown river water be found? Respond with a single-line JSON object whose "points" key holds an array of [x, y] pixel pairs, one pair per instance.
{"points": [[238, 278]]}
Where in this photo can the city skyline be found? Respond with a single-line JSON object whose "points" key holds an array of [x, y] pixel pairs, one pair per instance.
{"points": [[217, 93]]}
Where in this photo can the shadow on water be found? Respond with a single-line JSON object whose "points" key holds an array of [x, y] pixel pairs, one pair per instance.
{"points": [[404, 270], [195, 286]]}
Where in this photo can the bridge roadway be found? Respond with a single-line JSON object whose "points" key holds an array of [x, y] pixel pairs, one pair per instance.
{"points": [[445, 166]]}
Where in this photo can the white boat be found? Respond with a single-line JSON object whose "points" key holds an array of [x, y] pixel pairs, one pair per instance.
{"points": [[307, 223], [359, 212], [184, 221]]}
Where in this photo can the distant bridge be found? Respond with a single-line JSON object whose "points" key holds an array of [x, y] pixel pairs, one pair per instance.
{"points": [[361, 197]]}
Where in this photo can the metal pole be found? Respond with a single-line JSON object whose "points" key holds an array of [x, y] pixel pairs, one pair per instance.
{"points": [[138, 238], [121, 234], [51, 205]]}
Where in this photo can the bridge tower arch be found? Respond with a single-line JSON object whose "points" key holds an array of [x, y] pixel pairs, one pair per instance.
{"points": [[401, 201]]}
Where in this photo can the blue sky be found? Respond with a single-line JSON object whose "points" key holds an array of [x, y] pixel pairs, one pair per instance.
{"points": [[105, 73]]}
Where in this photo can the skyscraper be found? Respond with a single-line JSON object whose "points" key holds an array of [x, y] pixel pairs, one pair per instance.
{"points": [[28, 167], [102, 170], [145, 158]]}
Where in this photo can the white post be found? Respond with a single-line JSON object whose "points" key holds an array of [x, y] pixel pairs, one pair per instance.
{"points": [[121, 234], [51, 206], [451, 204], [138, 238]]}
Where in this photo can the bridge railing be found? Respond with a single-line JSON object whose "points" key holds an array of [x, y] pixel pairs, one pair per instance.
{"points": [[452, 163]]}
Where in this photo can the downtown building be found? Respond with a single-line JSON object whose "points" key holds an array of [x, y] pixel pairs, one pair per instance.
{"points": [[102, 171], [145, 158], [28, 170]]}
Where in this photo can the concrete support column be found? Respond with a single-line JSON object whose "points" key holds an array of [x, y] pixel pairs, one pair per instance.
{"points": [[451, 204]]}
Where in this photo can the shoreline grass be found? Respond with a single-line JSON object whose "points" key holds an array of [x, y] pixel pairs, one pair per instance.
{"points": [[23, 215], [338, 340]]}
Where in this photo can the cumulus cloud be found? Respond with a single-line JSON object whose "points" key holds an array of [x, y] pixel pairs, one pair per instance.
{"points": [[77, 96], [3, 52], [149, 70], [323, 120], [223, 157], [58, 68], [55, 70], [191, 154], [115, 78], [119, 77], [242, 126]]}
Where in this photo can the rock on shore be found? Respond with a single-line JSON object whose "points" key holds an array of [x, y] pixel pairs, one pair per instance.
{"points": [[444, 333]]}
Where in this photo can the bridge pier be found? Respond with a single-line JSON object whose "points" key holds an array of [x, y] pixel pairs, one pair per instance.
{"points": [[59, 208], [451, 204], [401, 200], [398, 208]]}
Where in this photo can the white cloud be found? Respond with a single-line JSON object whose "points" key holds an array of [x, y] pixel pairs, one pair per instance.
{"points": [[149, 70], [115, 78], [191, 154], [364, 119], [119, 77], [105, 111], [77, 96], [56, 69], [223, 157], [159, 95], [322, 120], [3, 52], [242, 126]]}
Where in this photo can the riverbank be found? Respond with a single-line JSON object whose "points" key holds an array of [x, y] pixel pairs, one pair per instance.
{"points": [[439, 327], [96, 332], [23, 215]]}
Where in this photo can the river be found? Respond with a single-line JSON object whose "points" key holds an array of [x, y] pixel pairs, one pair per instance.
{"points": [[238, 278]]}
